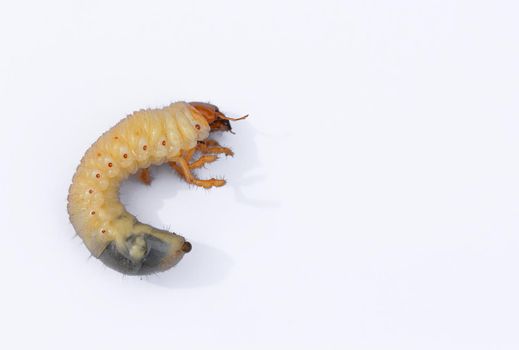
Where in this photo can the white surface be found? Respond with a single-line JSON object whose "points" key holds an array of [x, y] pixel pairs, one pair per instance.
{"points": [[372, 203]]}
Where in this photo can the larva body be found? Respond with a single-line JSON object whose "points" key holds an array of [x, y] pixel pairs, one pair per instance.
{"points": [[145, 138]]}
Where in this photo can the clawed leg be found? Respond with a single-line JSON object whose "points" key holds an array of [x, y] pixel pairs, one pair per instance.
{"points": [[200, 162], [211, 146], [182, 167], [189, 154], [208, 148], [144, 176]]}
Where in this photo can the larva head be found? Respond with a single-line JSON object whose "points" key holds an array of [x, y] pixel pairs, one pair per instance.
{"points": [[145, 253], [217, 120]]}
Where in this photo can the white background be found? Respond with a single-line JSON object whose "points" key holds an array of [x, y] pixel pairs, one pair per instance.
{"points": [[373, 202]]}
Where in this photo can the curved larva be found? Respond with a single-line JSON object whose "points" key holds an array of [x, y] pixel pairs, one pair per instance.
{"points": [[144, 138]]}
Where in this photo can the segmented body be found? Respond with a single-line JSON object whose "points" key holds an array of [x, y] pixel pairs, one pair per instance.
{"points": [[144, 138]]}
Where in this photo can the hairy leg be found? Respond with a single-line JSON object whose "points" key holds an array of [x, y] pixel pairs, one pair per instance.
{"points": [[200, 162], [211, 146], [182, 167], [189, 154]]}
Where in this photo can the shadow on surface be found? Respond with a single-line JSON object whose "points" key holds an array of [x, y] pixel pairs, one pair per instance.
{"points": [[203, 266], [243, 168]]}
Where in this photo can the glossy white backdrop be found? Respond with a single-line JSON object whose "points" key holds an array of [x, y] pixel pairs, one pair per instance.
{"points": [[373, 202]]}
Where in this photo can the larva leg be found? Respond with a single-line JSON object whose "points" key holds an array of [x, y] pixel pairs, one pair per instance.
{"points": [[224, 150], [144, 176], [211, 143], [174, 166], [182, 167], [211, 146], [200, 162], [189, 154], [195, 165]]}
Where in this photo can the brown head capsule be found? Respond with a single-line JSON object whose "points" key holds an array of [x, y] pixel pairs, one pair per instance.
{"points": [[217, 120]]}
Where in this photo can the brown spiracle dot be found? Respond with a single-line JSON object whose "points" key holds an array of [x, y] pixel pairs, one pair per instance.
{"points": [[99, 154], [110, 164], [98, 175], [125, 155], [103, 231], [197, 127], [145, 147], [163, 142], [116, 137], [92, 213], [90, 191]]}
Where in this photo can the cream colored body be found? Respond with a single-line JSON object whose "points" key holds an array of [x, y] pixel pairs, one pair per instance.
{"points": [[145, 138]]}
